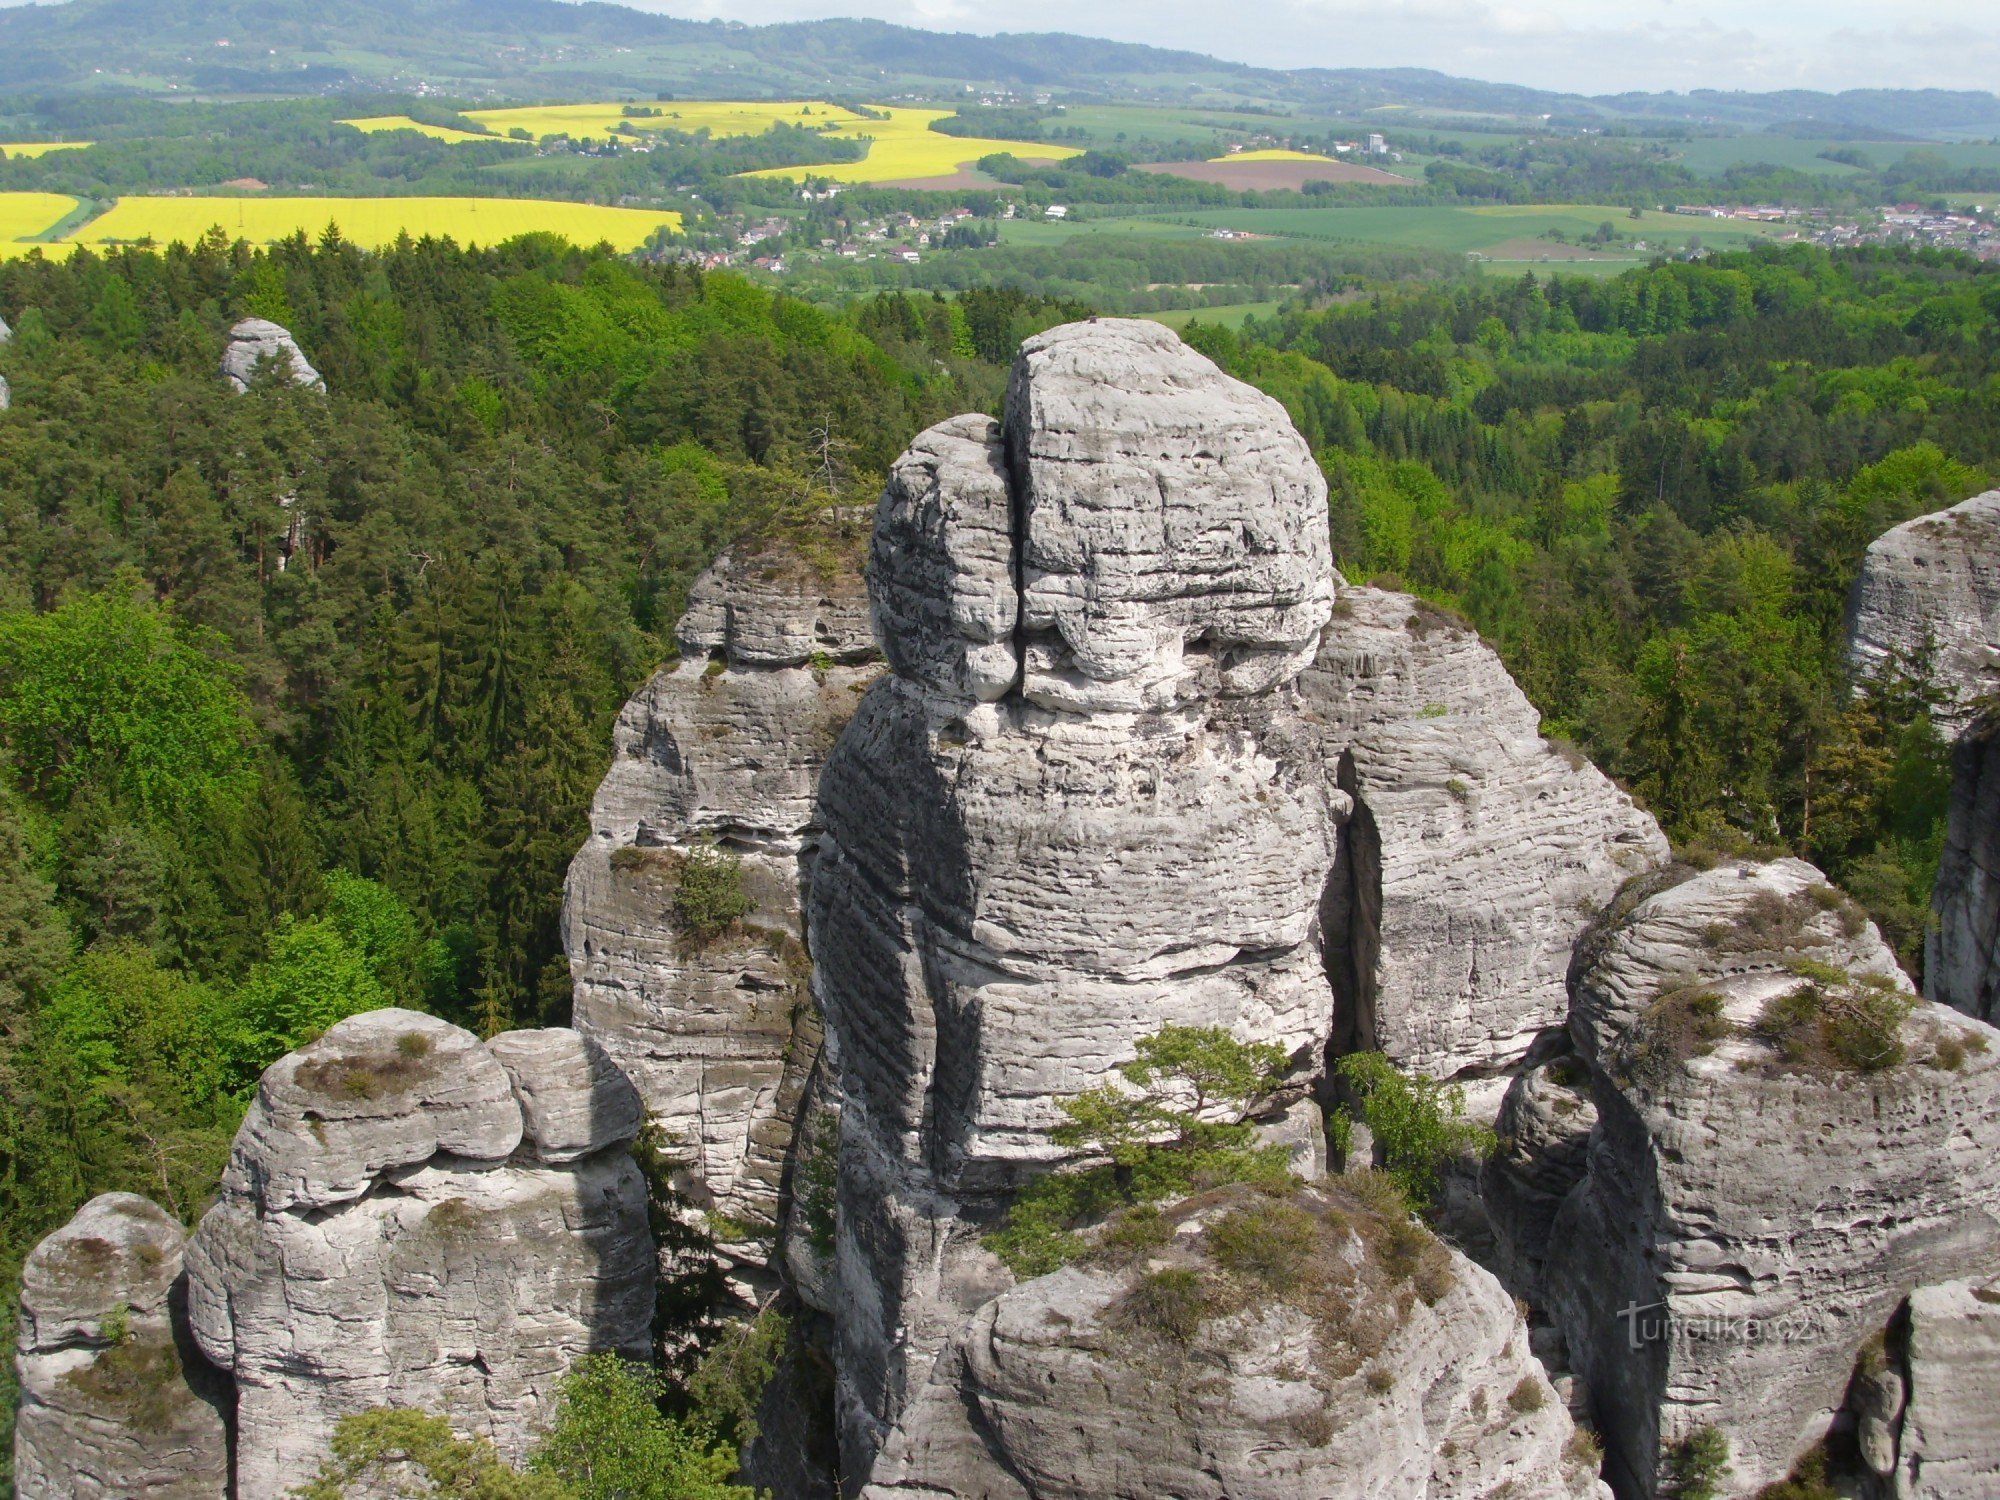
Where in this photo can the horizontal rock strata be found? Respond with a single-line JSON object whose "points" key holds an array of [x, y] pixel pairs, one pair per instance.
{"points": [[721, 752], [1046, 837], [1928, 595], [409, 1219], [114, 1399], [1787, 1141]]}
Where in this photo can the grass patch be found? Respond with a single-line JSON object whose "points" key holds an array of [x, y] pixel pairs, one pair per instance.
{"points": [[137, 1380], [1856, 1026]]}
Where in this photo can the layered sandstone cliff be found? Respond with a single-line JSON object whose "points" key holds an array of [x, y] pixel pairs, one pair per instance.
{"points": [[1786, 1141], [722, 752], [1928, 594], [1079, 809], [1478, 850]]}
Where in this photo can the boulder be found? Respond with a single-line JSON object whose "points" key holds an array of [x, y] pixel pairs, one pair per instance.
{"points": [[381, 1090], [1172, 524], [1928, 594], [1962, 943], [1371, 1362], [1787, 1141], [722, 752], [380, 1241], [114, 1399], [254, 340], [1478, 850], [574, 1099]]}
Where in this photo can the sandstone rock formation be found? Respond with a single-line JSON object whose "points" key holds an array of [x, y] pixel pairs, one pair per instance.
{"points": [[1947, 1443], [725, 748], [1787, 1141], [255, 339], [1962, 945], [114, 1401], [1477, 852], [1933, 585], [411, 1219], [1041, 844], [1371, 1362]]}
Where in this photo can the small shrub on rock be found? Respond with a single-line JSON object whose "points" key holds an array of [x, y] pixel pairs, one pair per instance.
{"points": [[1695, 1467], [709, 897], [1418, 1123]]}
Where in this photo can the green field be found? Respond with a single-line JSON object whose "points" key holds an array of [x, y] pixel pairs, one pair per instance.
{"points": [[1455, 230], [1230, 315], [1712, 157]]}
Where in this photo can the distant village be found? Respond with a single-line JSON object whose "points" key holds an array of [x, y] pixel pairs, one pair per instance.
{"points": [[1972, 230]]}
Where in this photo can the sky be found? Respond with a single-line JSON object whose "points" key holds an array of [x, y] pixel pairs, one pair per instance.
{"points": [[1580, 46]]}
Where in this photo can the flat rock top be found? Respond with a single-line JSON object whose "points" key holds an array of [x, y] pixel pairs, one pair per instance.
{"points": [[119, 1251], [383, 1089], [259, 330]]}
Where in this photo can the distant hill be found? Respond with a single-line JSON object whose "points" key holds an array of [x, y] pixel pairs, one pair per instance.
{"points": [[547, 48]]}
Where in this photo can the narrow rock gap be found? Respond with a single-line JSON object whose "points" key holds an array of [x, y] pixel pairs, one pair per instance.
{"points": [[1351, 924]]}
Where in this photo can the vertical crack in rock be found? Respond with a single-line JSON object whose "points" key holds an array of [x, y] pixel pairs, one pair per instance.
{"points": [[1351, 919], [1962, 944]]}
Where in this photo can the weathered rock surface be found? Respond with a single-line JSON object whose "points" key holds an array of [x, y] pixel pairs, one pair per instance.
{"points": [[382, 1090], [255, 339], [1544, 1128], [1962, 945], [1949, 1447], [389, 1235], [1478, 850], [1933, 584], [941, 563], [574, 1099], [1173, 540], [716, 1030], [114, 1402], [1769, 1174], [1387, 1380], [1011, 890]]}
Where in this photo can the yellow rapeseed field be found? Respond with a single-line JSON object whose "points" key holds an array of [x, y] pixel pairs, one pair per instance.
{"points": [[24, 214], [373, 123], [1273, 155], [718, 117], [904, 146], [371, 221], [41, 148]]}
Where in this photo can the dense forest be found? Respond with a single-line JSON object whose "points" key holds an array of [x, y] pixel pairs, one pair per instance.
{"points": [[303, 695]]}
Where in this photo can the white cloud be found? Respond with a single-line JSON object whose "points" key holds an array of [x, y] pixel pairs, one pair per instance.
{"points": [[1583, 46]]}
